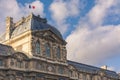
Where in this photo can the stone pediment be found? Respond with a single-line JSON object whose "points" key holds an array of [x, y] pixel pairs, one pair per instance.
{"points": [[48, 35], [20, 56]]}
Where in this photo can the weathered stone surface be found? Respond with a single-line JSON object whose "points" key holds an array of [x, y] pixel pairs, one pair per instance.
{"points": [[19, 59]]}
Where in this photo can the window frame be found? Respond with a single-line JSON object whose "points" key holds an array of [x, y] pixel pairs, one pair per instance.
{"points": [[47, 50], [58, 52], [37, 47]]}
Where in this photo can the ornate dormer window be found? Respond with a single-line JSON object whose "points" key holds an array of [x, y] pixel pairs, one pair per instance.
{"points": [[47, 50], [19, 64], [37, 47], [58, 53]]}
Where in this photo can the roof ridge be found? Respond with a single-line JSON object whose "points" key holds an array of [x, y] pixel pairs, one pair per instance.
{"points": [[91, 66]]}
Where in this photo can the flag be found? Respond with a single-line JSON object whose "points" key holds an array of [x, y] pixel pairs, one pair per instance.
{"points": [[31, 7]]}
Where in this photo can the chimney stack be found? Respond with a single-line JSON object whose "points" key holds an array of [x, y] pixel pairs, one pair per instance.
{"points": [[9, 27], [104, 67]]}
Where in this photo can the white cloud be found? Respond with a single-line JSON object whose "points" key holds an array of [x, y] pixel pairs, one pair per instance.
{"points": [[61, 10], [16, 10], [7, 8], [98, 12], [92, 42], [93, 46], [39, 8]]}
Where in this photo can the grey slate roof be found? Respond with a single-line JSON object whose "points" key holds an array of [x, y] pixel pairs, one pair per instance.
{"points": [[6, 50], [35, 23], [91, 69]]}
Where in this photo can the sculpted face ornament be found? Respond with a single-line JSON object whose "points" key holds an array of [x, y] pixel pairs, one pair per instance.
{"points": [[50, 68]]}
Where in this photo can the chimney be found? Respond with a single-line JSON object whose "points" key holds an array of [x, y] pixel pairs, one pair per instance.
{"points": [[104, 67], [9, 27]]}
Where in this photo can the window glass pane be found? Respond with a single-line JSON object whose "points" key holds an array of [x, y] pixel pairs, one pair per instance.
{"points": [[58, 53], [37, 49], [19, 64], [47, 47]]}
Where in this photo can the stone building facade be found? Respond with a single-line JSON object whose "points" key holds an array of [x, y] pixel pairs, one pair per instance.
{"points": [[31, 49]]}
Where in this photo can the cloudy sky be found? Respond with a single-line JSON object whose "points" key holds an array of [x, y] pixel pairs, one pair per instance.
{"points": [[90, 27]]}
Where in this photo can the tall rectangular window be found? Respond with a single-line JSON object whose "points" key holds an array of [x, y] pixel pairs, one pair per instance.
{"points": [[37, 47], [47, 50], [58, 53]]}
